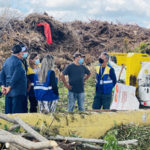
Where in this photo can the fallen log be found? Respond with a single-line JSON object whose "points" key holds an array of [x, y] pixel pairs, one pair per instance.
{"points": [[15, 126], [92, 146], [35, 134], [100, 141], [5, 136], [30, 130], [16, 147], [2, 116]]}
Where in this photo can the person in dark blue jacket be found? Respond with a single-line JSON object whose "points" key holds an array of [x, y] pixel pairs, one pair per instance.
{"points": [[105, 81], [45, 85], [14, 81]]}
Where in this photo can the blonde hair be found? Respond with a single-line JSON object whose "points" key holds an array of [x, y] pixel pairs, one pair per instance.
{"points": [[46, 65]]}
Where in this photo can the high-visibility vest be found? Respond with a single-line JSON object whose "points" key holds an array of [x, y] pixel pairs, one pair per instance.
{"points": [[30, 75], [43, 91], [104, 79]]}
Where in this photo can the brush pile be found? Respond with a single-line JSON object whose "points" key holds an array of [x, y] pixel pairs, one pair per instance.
{"points": [[90, 38]]}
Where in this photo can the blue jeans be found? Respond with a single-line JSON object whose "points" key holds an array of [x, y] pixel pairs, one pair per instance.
{"points": [[102, 100], [72, 98], [16, 104]]}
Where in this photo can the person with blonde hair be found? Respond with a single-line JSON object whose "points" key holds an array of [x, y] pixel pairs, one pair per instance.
{"points": [[45, 85]]}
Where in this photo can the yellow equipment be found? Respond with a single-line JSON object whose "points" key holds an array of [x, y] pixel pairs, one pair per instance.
{"points": [[137, 73], [132, 61]]}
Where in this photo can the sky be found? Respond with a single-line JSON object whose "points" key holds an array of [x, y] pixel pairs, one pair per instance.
{"points": [[116, 11]]}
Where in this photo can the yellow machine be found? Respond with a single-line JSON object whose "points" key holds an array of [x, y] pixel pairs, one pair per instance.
{"points": [[133, 62], [137, 72]]}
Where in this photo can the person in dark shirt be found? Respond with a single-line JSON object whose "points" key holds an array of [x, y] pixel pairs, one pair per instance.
{"points": [[77, 74], [14, 81], [46, 85], [105, 81]]}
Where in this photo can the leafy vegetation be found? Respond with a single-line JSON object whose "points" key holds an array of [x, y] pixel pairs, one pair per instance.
{"points": [[112, 142], [143, 48], [128, 132]]}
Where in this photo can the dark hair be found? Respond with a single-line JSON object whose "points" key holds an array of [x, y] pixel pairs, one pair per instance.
{"points": [[33, 55], [106, 55]]}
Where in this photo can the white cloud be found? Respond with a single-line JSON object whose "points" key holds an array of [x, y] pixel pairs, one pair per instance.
{"points": [[67, 10]]}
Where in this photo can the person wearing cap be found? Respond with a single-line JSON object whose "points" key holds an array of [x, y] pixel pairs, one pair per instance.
{"points": [[14, 81], [77, 74], [105, 81]]}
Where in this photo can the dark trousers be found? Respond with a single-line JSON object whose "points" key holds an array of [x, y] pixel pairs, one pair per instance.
{"points": [[33, 104], [102, 100], [16, 104]]}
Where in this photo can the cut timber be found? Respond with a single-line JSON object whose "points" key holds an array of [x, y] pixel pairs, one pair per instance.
{"points": [[36, 134], [30, 130], [85, 125], [92, 146], [10, 138], [99, 141]]}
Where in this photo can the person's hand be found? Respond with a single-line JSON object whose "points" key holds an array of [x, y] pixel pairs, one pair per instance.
{"points": [[7, 89], [4, 90], [69, 87]]}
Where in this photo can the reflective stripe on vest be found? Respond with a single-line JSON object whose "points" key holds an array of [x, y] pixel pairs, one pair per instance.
{"points": [[42, 88], [109, 81], [43, 91]]}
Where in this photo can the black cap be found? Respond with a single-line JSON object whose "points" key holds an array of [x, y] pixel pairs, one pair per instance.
{"points": [[16, 49], [77, 54], [19, 48]]}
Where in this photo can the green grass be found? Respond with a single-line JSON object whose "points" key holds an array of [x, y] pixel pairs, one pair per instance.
{"points": [[2, 104]]}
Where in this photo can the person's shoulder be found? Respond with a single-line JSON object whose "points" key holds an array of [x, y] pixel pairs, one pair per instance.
{"points": [[70, 65], [83, 66], [52, 71], [109, 66], [11, 59]]}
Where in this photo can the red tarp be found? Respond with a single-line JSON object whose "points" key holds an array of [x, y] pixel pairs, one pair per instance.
{"points": [[47, 31]]}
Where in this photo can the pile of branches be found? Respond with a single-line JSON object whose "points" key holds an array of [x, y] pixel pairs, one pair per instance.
{"points": [[12, 140], [90, 38], [97, 36]]}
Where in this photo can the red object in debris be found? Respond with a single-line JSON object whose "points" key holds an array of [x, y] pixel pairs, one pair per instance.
{"points": [[47, 31], [145, 103]]}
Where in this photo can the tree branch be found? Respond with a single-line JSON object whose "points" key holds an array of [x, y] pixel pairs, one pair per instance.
{"points": [[100, 141], [5, 136]]}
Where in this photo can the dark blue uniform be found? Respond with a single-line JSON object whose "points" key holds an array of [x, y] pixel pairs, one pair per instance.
{"points": [[13, 74]]}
